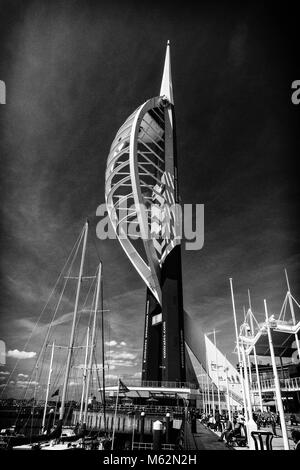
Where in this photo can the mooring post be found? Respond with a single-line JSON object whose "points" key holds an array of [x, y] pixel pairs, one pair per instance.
{"points": [[168, 428], [157, 435], [142, 426]]}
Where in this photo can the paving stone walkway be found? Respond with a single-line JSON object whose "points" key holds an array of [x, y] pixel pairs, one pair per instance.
{"points": [[203, 439]]}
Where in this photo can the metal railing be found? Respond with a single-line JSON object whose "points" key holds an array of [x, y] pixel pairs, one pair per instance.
{"points": [[155, 384], [148, 409], [149, 446], [291, 384]]}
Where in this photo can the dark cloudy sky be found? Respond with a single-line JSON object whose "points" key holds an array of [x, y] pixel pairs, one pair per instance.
{"points": [[74, 71]]}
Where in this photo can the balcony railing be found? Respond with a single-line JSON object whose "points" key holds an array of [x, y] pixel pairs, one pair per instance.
{"points": [[291, 384], [154, 384], [148, 409], [149, 446]]}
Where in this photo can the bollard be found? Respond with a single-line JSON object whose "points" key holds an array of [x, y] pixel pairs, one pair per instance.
{"points": [[142, 426], [168, 428], [251, 426], [157, 435]]}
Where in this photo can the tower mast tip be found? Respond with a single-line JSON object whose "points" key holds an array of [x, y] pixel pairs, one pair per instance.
{"points": [[166, 88]]}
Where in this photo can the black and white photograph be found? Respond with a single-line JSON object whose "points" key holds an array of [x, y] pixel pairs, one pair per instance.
{"points": [[149, 250]]}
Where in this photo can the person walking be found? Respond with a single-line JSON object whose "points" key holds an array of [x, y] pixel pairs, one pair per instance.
{"points": [[193, 422], [227, 432], [218, 421], [273, 423], [296, 438]]}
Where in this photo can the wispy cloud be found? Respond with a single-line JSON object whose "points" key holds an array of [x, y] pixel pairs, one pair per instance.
{"points": [[21, 354]]}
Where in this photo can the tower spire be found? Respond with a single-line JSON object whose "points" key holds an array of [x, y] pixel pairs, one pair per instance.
{"points": [[166, 88]]}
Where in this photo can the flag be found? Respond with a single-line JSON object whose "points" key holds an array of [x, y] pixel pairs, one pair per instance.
{"points": [[122, 387], [55, 394]]}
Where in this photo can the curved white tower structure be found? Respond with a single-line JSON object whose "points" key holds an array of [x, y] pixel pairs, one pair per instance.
{"points": [[141, 192]]}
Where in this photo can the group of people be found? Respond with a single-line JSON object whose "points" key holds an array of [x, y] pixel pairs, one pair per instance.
{"points": [[234, 429], [265, 419], [229, 430]]}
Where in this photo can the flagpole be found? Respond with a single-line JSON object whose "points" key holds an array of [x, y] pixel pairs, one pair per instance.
{"points": [[247, 388], [207, 394], [217, 368], [213, 396], [255, 356], [238, 349], [212, 387], [227, 390], [115, 416], [203, 397]]}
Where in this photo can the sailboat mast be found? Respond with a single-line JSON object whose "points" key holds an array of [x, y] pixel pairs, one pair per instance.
{"points": [[103, 360], [84, 374], [48, 387], [71, 344], [89, 372]]}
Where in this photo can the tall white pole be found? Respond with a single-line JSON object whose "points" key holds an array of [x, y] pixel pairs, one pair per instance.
{"points": [[228, 397], [207, 393], [217, 368], [255, 356], [115, 416], [48, 387], [213, 396], [277, 383], [247, 389], [92, 348], [208, 380], [84, 374], [250, 425], [292, 311], [248, 357], [203, 392], [249, 367], [238, 349], [72, 336]]}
